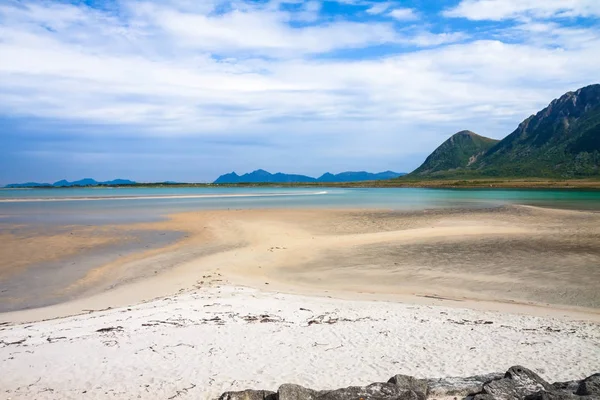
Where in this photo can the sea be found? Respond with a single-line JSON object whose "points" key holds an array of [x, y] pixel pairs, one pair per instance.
{"points": [[107, 205]]}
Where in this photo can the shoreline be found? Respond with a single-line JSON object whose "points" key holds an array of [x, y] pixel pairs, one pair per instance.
{"points": [[207, 322], [452, 182], [271, 249], [225, 338]]}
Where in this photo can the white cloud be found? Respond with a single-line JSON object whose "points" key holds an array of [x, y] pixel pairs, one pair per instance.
{"points": [[166, 70], [428, 39], [497, 10], [404, 14], [379, 8]]}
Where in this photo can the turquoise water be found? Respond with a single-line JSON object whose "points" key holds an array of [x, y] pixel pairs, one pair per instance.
{"points": [[110, 205]]}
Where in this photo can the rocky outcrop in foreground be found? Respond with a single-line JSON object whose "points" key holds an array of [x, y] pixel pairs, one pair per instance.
{"points": [[518, 383]]}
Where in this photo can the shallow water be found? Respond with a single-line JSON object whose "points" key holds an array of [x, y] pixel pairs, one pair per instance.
{"points": [[43, 284], [126, 205]]}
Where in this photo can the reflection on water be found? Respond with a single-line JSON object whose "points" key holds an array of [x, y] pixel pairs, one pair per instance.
{"points": [[112, 205]]}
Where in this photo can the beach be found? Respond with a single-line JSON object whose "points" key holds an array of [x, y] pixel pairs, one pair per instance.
{"points": [[227, 302]]}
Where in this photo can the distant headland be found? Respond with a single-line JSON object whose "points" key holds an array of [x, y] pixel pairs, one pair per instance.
{"points": [[258, 176], [262, 176], [65, 183]]}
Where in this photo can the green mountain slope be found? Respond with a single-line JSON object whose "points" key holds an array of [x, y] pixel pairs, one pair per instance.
{"points": [[561, 141], [457, 153]]}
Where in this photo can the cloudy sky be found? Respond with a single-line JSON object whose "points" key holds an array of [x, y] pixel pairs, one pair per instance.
{"points": [[189, 89]]}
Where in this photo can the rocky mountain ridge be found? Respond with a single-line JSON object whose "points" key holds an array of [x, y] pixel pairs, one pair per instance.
{"points": [[560, 141]]}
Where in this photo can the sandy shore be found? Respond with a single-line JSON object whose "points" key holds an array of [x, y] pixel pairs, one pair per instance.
{"points": [[199, 344], [255, 298], [489, 259]]}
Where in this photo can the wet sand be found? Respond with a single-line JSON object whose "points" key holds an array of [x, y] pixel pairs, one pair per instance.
{"points": [[490, 258], [38, 263]]}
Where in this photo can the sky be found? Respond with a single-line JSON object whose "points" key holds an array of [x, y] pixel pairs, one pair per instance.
{"points": [[186, 90]]}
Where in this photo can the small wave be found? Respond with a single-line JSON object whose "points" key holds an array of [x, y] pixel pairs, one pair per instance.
{"points": [[154, 197]]}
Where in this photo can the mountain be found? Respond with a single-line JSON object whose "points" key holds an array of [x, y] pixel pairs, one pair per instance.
{"points": [[560, 141], [82, 182], [27, 185], [65, 183], [262, 176], [92, 182], [358, 176], [461, 150]]}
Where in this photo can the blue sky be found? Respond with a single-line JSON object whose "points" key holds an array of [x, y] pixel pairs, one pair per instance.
{"points": [[189, 89]]}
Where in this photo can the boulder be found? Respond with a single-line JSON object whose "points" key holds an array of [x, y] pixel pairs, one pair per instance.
{"points": [[249, 395], [481, 396], [569, 386], [459, 387], [517, 383], [590, 386], [375, 391], [557, 395], [407, 382]]}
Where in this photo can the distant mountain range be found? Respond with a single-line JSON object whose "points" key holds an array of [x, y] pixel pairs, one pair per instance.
{"points": [[64, 183], [262, 176], [561, 141]]}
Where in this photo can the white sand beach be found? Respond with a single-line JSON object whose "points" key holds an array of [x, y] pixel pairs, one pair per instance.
{"points": [[200, 344]]}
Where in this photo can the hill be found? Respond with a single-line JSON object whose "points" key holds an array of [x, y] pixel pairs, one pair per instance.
{"points": [[460, 151], [358, 176], [560, 141], [65, 183], [27, 185], [262, 176]]}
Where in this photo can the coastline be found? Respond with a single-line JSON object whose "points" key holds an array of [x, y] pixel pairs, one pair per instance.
{"points": [[458, 182], [312, 252], [226, 338], [321, 298]]}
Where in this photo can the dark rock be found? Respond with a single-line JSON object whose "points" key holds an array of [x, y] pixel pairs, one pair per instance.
{"points": [[590, 386], [517, 383], [375, 391], [290, 391], [249, 395], [459, 387], [407, 382], [557, 395], [483, 397], [569, 386]]}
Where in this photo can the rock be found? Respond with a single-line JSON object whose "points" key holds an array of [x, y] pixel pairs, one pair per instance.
{"points": [[590, 386], [557, 395], [249, 395], [290, 391], [569, 386], [459, 387], [517, 383], [407, 382], [483, 397], [375, 391]]}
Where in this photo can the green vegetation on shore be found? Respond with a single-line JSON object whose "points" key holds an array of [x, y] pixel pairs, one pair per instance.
{"points": [[523, 183]]}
